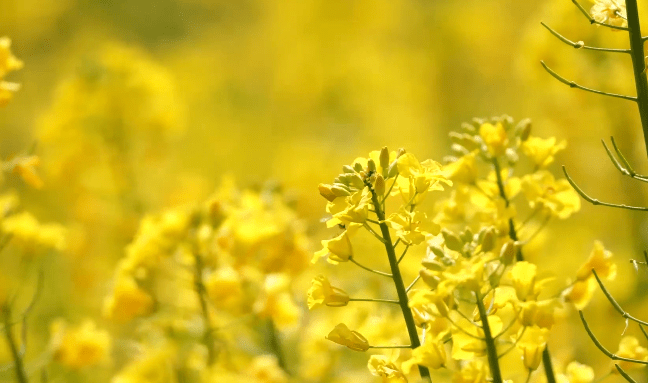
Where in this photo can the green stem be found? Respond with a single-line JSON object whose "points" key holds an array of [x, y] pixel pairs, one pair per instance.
{"points": [[201, 291], [398, 281], [491, 348], [546, 356], [638, 64], [21, 375], [373, 300]]}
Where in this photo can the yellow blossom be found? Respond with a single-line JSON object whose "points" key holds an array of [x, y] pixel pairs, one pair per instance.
{"points": [[322, 293], [579, 373], [557, 198], [541, 151], [417, 178], [598, 260], [412, 227], [464, 169], [338, 249], [431, 354], [155, 365], [127, 301], [8, 62], [385, 367], [351, 209], [473, 371], [611, 12], [352, 339], [224, 286], [25, 166], [30, 234], [467, 347], [494, 137], [79, 347], [532, 343], [581, 292], [276, 301], [538, 313], [629, 348], [265, 369]]}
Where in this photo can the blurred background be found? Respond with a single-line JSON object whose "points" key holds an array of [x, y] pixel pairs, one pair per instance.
{"points": [[136, 105]]}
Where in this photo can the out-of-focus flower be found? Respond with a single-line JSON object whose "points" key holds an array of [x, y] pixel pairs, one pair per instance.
{"points": [[276, 301], [531, 345], [224, 286], [494, 137], [473, 371], [431, 354], [579, 373], [322, 293], [265, 369], [557, 198], [31, 234], [79, 347], [629, 348], [127, 301], [385, 367], [352, 339], [611, 12], [155, 365], [463, 169], [8, 63], [541, 151], [600, 261], [25, 167]]}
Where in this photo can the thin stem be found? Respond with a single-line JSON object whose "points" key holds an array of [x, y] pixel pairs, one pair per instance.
{"points": [[275, 344], [580, 44], [628, 168], [602, 348], [373, 300], [596, 201], [381, 239], [614, 302], [574, 85], [402, 346], [491, 348], [201, 291], [592, 21], [21, 374], [514, 343], [548, 366], [624, 374], [403, 255], [638, 65], [368, 269], [413, 283], [398, 280], [389, 191]]}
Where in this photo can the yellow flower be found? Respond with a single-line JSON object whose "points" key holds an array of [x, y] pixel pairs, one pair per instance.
{"points": [[598, 260], [532, 344], [8, 62], [338, 249], [473, 371], [464, 169], [322, 293], [351, 209], [81, 346], [155, 365], [385, 367], [224, 286], [25, 166], [494, 137], [611, 12], [266, 369], [127, 301], [557, 198], [523, 276], [412, 227], [431, 354], [579, 373], [629, 348], [30, 234], [541, 151], [538, 313], [581, 292], [276, 301], [467, 347], [352, 339], [417, 178]]}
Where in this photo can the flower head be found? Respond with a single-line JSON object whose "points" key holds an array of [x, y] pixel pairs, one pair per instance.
{"points": [[611, 12], [352, 339], [322, 293]]}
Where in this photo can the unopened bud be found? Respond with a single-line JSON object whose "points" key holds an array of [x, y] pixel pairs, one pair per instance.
{"points": [[348, 169], [508, 252], [488, 240], [433, 264], [452, 242], [384, 158], [429, 278], [436, 250], [356, 180], [340, 191], [357, 167], [326, 192], [392, 171], [371, 165], [523, 129], [379, 185], [400, 152]]}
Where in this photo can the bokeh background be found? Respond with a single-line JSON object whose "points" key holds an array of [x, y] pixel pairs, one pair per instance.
{"points": [[135, 106]]}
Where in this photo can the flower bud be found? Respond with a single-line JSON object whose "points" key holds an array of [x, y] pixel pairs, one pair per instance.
{"points": [[508, 253], [487, 240], [371, 165], [523, 129], [326, 191], [452, 242], [357, 167], [436, 250], [384, 157], [429, 278], [433, 264], [348, 169], [340, 191], [400, 152], [392, 171], [379, 185]]}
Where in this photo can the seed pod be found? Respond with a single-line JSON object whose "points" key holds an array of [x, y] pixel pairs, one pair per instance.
{"points": [[326, 192]]}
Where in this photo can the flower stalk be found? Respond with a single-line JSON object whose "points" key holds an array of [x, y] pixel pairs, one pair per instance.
{"points": [[638, 64], [398, 280], [491, 348], [19, 366]]}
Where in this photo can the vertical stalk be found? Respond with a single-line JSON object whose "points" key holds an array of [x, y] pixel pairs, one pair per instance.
{"points": [[208, 335], [491, 348], [546, 356], [638, 64], [21, 375], [398, 281]]}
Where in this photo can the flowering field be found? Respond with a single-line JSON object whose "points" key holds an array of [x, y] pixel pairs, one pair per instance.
{"points": [[323, 191]]}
